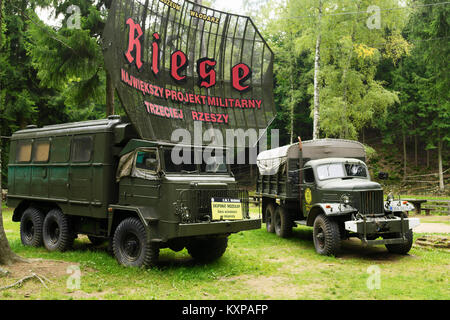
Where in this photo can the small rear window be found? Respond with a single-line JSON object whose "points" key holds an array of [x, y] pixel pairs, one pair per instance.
{"points": [[23, 153], [309, 175], [41, 151], [82, 149]]}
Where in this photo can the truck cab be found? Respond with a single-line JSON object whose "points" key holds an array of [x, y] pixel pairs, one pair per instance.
{"points": [[98, 178], [325, 184]]}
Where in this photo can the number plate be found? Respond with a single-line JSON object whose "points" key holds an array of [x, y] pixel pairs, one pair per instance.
{"points": [[226, 209]]}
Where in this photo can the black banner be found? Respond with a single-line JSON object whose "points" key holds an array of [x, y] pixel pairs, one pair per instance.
{"points": [[175, 63]]}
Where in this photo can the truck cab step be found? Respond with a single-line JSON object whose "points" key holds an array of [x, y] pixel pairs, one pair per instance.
{"points": [[300, 222]]}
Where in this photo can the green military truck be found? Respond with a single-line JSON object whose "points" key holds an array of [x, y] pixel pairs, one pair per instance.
{"points": [[99, 179], [325, 184]]}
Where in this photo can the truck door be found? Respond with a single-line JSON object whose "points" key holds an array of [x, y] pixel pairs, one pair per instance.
{"points": [[308, 190], [80, 173], [143, 186]]}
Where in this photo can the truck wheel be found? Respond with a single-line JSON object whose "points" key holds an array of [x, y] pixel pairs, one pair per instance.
{"points": [[326, 236], [31, 227], [283, 225], [96, 241], [270, 217], [131, 247], [209, 249], [400, 248], [57, 231]]}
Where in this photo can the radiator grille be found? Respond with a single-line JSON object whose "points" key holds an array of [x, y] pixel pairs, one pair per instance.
{"points": [[371, 202]]}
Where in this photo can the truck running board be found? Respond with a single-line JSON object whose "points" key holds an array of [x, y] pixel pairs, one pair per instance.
{"points": [[301, 222]]}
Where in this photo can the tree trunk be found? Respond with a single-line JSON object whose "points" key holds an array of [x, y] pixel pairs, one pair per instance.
{"points": [[316, 79], [109, 95], [404, 155], [415, 151], [441, 174], [7, 257], [428, 158]]}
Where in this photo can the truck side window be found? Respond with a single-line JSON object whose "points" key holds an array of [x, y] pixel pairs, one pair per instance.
{"points": [[41, 151], [60, 149], [147, 160], [81, 149], [309, 175], [23, 153]]}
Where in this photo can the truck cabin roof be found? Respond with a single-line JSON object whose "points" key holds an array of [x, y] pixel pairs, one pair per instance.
{"points": [[120, 127], [318, 162]]}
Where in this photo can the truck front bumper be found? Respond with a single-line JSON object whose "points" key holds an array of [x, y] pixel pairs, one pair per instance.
{"points": [[217, 227], [379, 226]]}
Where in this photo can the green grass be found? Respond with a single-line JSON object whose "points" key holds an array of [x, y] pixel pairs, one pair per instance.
{"points": [[257, 265]]}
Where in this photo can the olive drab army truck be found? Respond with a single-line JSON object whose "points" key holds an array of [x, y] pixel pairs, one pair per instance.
{"points": [[325, 184], [99, 179]]}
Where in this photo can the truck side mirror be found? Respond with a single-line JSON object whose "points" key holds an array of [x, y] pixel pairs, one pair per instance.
{"points": [[383, 175]]}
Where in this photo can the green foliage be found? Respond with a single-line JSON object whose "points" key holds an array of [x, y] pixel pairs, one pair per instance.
{"points": [[70, 60]]}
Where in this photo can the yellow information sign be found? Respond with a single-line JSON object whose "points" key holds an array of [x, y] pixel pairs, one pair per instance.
{"points": [[226, 209], [308, 195]]}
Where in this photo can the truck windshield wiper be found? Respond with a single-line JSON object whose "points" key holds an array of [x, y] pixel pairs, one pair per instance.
{"points": [[188, 172]]}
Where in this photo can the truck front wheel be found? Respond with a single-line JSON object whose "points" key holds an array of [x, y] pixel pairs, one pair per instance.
{"points": [[208, 249], [400, 248], [131, 247], [326, 235]]}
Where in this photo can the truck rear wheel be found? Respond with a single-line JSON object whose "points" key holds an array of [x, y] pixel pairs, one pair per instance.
{"points": [[31, 225], [131, 247], [400, 248], [326, 236], [283, 224], [270, 217], [57, 231], [208, 249]]}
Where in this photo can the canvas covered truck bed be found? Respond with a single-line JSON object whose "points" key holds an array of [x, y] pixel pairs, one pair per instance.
{"points": [[279, 169]]}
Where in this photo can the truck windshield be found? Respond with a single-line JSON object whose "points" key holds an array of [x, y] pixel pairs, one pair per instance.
{"points": [[355, 170], [175, 165], [339, 170], [215, 164]]}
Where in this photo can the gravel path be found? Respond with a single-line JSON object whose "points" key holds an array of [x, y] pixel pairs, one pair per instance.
{"points": [[432, 228]]}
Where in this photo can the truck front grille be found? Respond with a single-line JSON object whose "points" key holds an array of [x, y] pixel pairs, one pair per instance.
{"points": [[372, 202]]}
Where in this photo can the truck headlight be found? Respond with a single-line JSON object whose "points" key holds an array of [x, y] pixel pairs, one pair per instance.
{"points": [[345, 199], [390, 197]]}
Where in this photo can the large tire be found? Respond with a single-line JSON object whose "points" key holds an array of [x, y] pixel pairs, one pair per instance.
{"points": [[208, 249], [270, 217], [400, 248], [31, 225], [326, 236], [57, 232], [131, 246], [283, 223]]}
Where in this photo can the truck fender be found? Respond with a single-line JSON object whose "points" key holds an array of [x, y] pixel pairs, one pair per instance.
{"points": [[329, 209], [117, 213]]}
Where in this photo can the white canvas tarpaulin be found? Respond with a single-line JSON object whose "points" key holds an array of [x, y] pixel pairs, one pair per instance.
{"points": [[269, 162]]}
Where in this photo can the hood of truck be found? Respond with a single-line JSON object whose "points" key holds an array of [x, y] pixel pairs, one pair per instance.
{"points": [[354, 184]]}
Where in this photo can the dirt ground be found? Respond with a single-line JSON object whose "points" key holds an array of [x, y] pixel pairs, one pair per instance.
{"points": [[433, 224]]}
